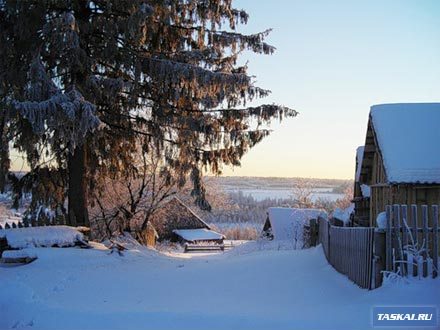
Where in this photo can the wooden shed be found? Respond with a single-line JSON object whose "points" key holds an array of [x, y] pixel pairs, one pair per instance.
{"points": [[291, 224], [401, 158], [174, 217]]}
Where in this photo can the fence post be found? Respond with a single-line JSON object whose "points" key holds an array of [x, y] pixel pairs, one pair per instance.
{"points": [[405, 237], [397, 239], [313, 232], [389, 262], [328, 240], [379, 256], [414, 234], [425, 239], [435, 240]]}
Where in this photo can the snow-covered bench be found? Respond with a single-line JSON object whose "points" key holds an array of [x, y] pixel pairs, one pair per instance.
{"points": [[203, 247], [200, 239]]}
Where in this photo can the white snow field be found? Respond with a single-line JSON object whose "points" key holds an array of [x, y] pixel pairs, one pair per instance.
{"points": [[253, 286]]}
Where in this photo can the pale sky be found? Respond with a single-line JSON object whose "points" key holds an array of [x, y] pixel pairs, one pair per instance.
{"points": [[334, 60]]}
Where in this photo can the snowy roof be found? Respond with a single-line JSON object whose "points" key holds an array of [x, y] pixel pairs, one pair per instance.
{"points": [[359, 158], [192, 235], [343, 214], [408, 135], [41, 236], [366, 190], [174, 214], [284, 220]]}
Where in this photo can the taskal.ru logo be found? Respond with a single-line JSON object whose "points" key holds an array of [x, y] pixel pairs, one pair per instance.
{"points": [[396, 316]]}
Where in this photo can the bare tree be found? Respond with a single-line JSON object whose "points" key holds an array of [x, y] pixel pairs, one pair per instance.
{"points": [[345, 201], [302, 193], [127, 204]]}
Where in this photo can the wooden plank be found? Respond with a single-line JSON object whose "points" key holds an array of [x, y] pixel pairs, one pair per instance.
{"points": [[380, 253], [398, 239], [405, 238], [414, 235], [435, 240], [354, 251], [369, 254], [388, 239], [368, 260], [364, 258], [360, 260], [329, 257], [425, 239]]}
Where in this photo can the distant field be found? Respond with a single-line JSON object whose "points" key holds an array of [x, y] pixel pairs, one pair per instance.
{"points": [[281, 188], [262, 194]]}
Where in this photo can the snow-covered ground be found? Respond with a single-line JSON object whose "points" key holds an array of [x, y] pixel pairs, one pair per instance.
{"points": [[254, 286]]}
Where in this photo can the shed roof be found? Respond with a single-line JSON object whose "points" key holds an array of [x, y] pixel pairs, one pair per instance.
{"points": [[174, 214], [408, 135], [284, 220], [193, 235]]}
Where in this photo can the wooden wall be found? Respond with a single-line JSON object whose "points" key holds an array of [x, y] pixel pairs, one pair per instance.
{"points": [[382, 195]]}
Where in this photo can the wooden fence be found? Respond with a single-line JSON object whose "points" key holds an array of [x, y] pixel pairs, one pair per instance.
{"points": [[407, 246], [27, 223], [349, 250], [412, 247]]}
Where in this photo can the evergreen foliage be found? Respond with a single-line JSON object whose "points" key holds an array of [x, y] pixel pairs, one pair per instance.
{"points": [[84, 83]]}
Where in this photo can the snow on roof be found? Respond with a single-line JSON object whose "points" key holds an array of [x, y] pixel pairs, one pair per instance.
{"points": [[198, 234], [408, 135], [284, 220], [343, 214], [359, 158], [19, 238], [366, 190]]}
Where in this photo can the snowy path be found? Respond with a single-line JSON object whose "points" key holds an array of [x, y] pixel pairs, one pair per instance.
{"points": [[88, 289]]}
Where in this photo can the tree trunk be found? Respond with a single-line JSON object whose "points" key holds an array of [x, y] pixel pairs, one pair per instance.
{"points": [[77, 189]]}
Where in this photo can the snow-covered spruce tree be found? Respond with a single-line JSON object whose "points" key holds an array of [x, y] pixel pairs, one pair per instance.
{"points": [[81, 81]]}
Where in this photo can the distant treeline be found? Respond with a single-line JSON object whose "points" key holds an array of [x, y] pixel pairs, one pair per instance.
{"points": [[240, 182]]}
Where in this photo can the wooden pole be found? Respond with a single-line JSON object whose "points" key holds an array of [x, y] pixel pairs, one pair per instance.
{"points": [[328, 240], [414, 234], [435, 240], [405, 238], [425, 239], [380, 257], [397, 239], [389, 263]]}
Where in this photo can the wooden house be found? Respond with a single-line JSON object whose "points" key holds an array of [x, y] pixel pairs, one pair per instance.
{"points": [[400, 161], [175, 221]]}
